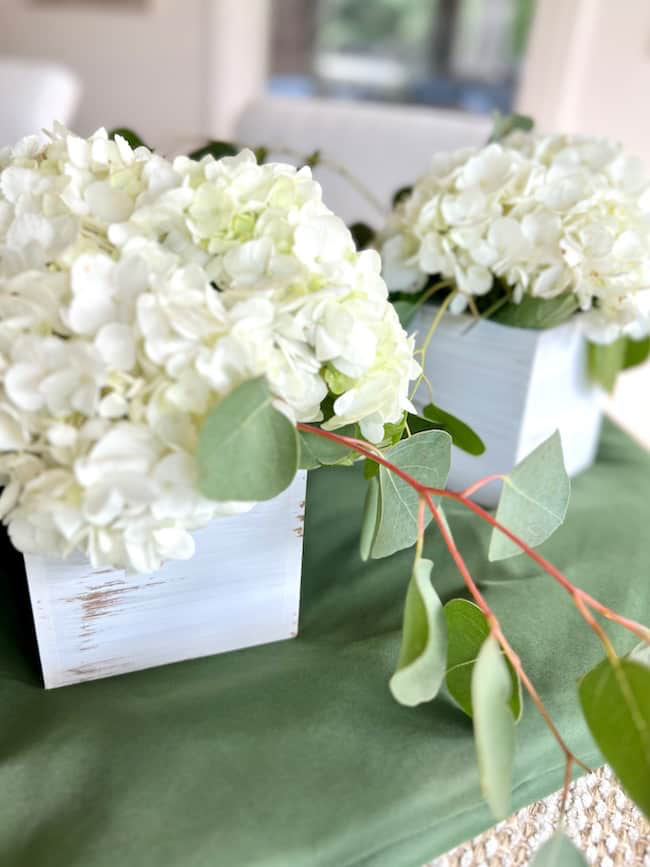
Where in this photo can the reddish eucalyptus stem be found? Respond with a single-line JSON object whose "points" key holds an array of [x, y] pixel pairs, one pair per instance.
{"points": [[565, 788], [575, 592], [495, 628], [367, 451], [496, 477], [426, 495]]}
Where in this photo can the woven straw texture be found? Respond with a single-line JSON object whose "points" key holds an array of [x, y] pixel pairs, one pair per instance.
{"points": [[601, 820]]}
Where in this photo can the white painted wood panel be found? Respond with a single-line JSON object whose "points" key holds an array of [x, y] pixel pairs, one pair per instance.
{"points": [[515, 387], [241, 588]]}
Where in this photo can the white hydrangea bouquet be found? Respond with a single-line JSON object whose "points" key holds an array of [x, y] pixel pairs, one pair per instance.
{"points": [[177, 338], [530, 231], [135, 294]]}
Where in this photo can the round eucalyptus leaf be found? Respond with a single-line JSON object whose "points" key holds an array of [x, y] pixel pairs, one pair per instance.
{"points": [[615, 700], [247, 450]]}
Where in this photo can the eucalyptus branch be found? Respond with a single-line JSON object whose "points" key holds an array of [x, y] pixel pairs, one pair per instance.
{"points": [[580, 597], [637, 629], [497, 632]]}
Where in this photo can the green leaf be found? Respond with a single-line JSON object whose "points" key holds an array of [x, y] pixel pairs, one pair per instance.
{"points": [[416, 424], [426, 456], [131, 137], [317, 451], [605, 361], [558, 851], [494, 726], [216, 149], [362, 234], [370, 519], [247, 450], [537, 313], [534, 499], [636, 352], [615, 701], [504, 124], [406, 311], [467, 630], [370, 469], [393, 432], [462, 435], [423, 654], [401, 194]]}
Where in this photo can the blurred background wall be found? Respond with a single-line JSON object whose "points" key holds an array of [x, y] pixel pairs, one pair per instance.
{"points": [[167, 68], [186, 67]]}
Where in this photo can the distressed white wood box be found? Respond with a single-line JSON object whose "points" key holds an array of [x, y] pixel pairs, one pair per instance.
{"points": [[241, 588], [515, 387]]}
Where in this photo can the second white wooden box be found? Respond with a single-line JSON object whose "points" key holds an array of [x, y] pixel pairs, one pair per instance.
{"points": [[515, 387], [241, 588]]}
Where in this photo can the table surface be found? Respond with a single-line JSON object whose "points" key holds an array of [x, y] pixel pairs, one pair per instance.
{"points": [[295, 753]]}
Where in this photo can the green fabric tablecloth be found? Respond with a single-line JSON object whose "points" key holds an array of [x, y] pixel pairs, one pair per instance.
{"points": [[295, 754]]}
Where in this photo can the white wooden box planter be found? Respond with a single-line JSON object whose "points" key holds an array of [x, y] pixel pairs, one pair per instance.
{"points": [[515, 387], [241, 588]]}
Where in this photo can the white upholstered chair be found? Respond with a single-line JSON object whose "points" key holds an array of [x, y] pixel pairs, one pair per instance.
{"points": [[33, 94], [385, 146]]}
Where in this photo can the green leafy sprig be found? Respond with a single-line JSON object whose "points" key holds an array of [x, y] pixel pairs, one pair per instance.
{"points": [[461, 644]]}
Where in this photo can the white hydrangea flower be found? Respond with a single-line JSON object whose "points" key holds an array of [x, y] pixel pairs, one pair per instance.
{"points": [[546, 215], [136, 293]]}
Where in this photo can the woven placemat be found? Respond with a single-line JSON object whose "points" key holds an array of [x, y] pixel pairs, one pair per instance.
{"points": [[601, 820]]}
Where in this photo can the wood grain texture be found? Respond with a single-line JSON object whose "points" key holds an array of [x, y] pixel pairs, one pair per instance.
{"points": [[515, 387], [241, 588]]}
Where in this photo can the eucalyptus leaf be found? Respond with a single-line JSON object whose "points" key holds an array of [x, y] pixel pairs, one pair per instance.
{"points": [[534, 499], [370, 519], [467, 630], [558, 851], [462, 435], [605, 361], [504, 124], [128, 135], [423, 654], [494, 726], [317, 451], [216, 149], [416, 424], [615, 700], [538, 313], [247, 449], [425, 456]]}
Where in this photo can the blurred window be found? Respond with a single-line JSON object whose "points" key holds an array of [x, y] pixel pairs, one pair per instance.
{"points": [[456, 53]]}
